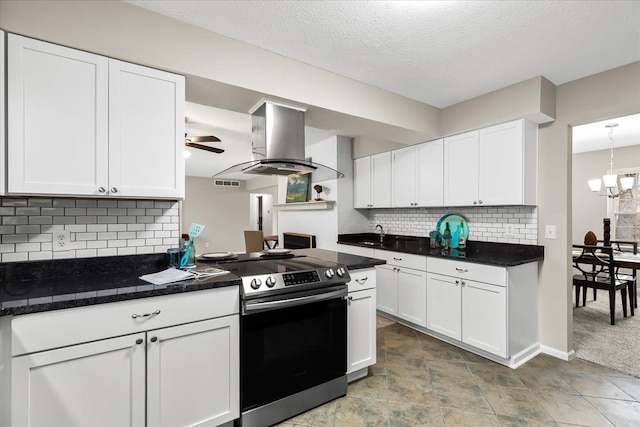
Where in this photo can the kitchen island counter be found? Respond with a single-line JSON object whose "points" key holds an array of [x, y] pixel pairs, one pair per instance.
{"points": [[35, 286], [353, 262]]}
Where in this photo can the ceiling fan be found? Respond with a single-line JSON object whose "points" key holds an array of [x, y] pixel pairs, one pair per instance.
{"points": [[195, 142]]}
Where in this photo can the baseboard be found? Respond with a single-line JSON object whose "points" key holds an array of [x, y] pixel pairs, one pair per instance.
{"points": [[524, 356], [563, 355]]}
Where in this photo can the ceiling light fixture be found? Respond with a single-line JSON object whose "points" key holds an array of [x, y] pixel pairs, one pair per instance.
{"points": [[611, 180]]}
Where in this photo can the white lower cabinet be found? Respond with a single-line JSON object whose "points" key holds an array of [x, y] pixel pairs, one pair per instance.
{"points": [[183, 375], [361, 323], [490, 308], [468, 311], [401, 286], [98, 384]]}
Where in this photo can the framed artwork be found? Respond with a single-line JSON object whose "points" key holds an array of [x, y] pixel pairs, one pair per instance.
{"points": [[298, 188]]}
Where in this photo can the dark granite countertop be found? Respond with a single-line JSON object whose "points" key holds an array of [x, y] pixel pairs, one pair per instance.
{"points": [[490, 253], [33, 286]]}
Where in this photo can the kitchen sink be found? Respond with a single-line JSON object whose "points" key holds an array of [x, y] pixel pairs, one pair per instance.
{"points": [[378, 244]]}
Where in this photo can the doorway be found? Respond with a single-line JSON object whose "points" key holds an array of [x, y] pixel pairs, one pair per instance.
{"points": [[261, 213]]}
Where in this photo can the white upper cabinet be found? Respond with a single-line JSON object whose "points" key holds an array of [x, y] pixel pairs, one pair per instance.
{"points": [[461, 169], [362, 182], [3, 97], [146, 119], [417, 175], [508, 164], [492, 166], [81, 124], [372, 181], [58, 137]]}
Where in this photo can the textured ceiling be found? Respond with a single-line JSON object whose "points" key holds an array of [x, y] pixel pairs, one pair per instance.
{"points": [[437, 52]]}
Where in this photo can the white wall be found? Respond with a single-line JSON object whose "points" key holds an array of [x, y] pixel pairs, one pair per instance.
{"points": [[588, 208]]}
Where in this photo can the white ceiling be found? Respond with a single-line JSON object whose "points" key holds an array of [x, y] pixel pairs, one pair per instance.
{"points": [[437, 52], [595, 136]]}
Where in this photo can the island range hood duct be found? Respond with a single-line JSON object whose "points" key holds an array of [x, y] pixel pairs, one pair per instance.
{"points": [[277, 145]]}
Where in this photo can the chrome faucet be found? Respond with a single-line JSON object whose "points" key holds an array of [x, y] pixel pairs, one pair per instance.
{"points": [[381, 231]]}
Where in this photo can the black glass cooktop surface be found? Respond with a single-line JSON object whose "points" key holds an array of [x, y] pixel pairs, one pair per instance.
{"points": [[259, 266]]}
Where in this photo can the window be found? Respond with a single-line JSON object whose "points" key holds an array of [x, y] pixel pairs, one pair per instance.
{"points": [[625, 210]]}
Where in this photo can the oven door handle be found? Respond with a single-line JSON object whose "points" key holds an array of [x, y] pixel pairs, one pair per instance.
{"points": [[254, 307]]}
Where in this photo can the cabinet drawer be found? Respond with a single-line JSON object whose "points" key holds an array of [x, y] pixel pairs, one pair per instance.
{"points": [[417, 262], [468, 270], [42, 331], [362, 279]]}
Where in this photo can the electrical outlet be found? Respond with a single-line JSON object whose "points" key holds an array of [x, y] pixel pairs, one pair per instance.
{"points": [[61, 240]]}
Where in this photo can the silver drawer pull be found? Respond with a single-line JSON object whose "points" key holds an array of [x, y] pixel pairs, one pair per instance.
{"points": [[397, 259], [362, 281], [461, 270], [155, 313]]}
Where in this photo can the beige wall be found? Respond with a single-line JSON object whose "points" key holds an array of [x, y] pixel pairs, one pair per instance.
{"points": [[602, 96], [589, 209], [223, 211]]}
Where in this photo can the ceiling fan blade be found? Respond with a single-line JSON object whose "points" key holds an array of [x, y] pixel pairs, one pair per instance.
{"points": [[205, 147], [207, 138]]}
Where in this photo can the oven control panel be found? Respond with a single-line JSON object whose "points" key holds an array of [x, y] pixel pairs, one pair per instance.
{"points": [[253, 286]]}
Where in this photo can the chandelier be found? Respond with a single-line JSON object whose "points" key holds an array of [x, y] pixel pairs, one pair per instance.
{"points": [[611, 180]]}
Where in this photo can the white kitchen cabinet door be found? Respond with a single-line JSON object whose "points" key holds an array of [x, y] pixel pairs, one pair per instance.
{"points": [[444, 305], [412, 296], [362, 182], [501, 164], [461, 170], [430, 173], [381, 180], [3, 97], [57, 126], [361, 330], [484, 317], [403, 178], [193, 374], [387, 289], [146, 132], [98, 384]]}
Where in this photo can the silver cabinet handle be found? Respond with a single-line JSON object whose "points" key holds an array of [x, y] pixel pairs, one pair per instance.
{"points": [[114, 190], [475, 202], [463, 283], [139, 341], [362, 281], [155, 313], [101, 190], [457, 282], [461, 270], [397, 259], [479, 202], [154, 339]]}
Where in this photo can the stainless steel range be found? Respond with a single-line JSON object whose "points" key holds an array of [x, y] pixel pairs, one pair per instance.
{"points": [[293, 336]]}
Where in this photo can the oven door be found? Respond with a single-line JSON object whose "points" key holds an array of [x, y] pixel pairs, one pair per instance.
{"points": [[292, 343]]}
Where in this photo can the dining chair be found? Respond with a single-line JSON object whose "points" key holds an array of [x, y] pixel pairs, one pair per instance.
{"points": [[253, 241], [597, 268], [631, 247]]}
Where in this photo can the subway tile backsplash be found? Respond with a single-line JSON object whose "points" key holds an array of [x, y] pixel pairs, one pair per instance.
{"points": [[504, 224], [97, 227]]}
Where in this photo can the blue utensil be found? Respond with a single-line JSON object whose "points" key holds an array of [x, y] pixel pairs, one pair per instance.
{"points": [[194, 230]]}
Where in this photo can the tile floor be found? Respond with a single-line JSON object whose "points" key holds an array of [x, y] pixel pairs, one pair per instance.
{"points": [[421, 381]]}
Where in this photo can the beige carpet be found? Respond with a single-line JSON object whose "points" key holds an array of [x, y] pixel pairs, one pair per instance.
{"points": [[382, 322], [596, 340]]}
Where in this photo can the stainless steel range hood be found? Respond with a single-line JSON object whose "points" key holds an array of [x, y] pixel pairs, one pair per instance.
{"points": [[277, 145]]}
